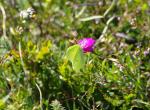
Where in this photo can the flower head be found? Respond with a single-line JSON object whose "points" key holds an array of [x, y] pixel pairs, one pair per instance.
{"points": [[87, 44]]}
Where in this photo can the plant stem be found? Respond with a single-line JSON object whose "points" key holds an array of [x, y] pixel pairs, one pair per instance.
{"points": [[4, 21], [22, 63], [104, 30], [40, 95], [100, 16]]}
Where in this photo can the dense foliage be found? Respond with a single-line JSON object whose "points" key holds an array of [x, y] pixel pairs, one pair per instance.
{"points": [[43, 68]]}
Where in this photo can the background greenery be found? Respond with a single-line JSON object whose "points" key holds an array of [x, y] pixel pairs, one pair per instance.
{"points": [[34, 71]]}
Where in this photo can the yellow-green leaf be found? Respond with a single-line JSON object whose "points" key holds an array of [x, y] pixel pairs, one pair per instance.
{"points": [[76, 56]]}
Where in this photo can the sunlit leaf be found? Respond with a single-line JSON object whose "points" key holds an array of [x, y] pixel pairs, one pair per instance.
{"points": [[76, 56]]}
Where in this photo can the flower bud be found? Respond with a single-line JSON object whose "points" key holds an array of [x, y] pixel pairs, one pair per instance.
{"points": [[87, 44]]}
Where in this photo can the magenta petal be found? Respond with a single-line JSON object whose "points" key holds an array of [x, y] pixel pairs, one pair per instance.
{"points": [[87, 44]]}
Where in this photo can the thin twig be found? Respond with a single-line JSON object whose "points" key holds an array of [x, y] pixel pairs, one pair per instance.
{"points": [[40, 95]]}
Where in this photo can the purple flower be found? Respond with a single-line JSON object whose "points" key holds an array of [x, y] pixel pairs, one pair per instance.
{"points": [[87, 44]]}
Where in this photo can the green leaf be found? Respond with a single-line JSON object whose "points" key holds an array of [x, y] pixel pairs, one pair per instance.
{"points": [[76, 56], [4, 45], [2, 104], [3, 101]]}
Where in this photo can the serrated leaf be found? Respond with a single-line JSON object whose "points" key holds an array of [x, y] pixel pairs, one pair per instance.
{"points": [[76, 56]]}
